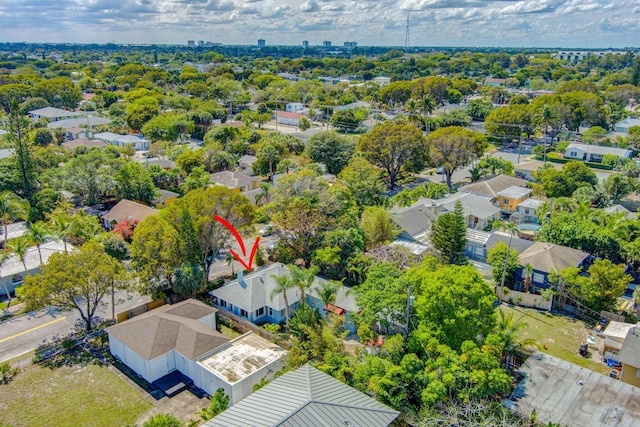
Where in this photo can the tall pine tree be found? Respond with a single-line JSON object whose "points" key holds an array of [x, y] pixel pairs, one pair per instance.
{"points": [[25, 165], [448, 235]]}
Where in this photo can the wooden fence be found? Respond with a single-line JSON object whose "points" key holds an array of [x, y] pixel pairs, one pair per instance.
{"points": [[136, 311]]}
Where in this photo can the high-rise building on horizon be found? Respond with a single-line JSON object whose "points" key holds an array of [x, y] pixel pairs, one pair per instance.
{"points": [[261, 43], [191, 43], [326, 44], [350, 45], [305, 44]]}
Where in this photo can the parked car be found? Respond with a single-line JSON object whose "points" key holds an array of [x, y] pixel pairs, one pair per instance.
{"points": [[267, 230], [440, 170]]}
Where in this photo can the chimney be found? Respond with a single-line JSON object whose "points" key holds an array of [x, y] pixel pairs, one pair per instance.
{"points": [[241, 278]]}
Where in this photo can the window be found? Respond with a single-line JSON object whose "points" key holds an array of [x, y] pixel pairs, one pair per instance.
{"points": [[270, 311], [244, 313], [505, 201], [538, 278], [638, 374], [223, 303], [16, 278], [260, 312], [230, 307]]}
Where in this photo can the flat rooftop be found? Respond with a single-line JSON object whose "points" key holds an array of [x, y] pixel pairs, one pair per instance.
{"points": [[567, 394], [242, 357]]}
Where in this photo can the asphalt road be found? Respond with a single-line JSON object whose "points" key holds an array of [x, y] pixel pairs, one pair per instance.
{"points": [[25, 333]]}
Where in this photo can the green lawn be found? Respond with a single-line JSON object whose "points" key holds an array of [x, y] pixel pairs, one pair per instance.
{"points": [[561, 335], [89, 396], [228, 332]]}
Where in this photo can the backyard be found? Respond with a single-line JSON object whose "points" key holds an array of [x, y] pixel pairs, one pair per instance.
{"points": [[561, 335], [77, 395]]}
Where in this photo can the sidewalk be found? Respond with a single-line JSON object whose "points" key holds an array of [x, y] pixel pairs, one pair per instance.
{"points": [[14, 309]]}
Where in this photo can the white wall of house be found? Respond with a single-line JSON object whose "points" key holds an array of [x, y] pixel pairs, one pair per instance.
{"points": [[129, 357], [288, 121], [244, 388], [158, 367]]}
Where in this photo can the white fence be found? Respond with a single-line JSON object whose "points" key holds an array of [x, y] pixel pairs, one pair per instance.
{"points": [[524, 299]]}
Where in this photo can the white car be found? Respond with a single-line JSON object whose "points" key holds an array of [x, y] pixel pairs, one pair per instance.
{"points": [[267, 230]]}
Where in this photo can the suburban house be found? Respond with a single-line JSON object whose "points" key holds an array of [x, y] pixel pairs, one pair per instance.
{"points": [[14, 230], [54, 114], [617, 209], [165, 198], [358, 105], [294, 107], [78, 132], [479, 211], [235, 181], [382, 81], [629, 356], [614, 336], [14, 271], [246, 163], [624, 125], [165, 164], [526, 212], [137, 142], [546, 257], [509, 198], [594, 153], [75, 143], [526, 170], [126, 209], [76, 123], [183, 338], [250, 297], [493, 81], [479, 243], [492, 186], [415, 221], [567, 394], [305, 397], [288, 118]]}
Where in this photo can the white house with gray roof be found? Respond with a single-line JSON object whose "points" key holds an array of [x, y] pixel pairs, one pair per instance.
{"points": [[624, 125], [594, 153], [54, 114], [250, 297], [306, 397], [13, 270], [138, 142], [79, 122]]}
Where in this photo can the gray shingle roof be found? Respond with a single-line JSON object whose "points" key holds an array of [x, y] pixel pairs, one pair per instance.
{"points": [[630, 351], [52, 112], [306, 397], [170, 327], [415, 220], [599, 149], [74, 123], [472, 204], [518, 244]]}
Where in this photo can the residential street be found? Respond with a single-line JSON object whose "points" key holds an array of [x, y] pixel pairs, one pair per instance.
{"points": [[25, 333]]}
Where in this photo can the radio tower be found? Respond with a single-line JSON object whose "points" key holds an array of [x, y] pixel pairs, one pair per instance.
{"points": [[406, 35]]}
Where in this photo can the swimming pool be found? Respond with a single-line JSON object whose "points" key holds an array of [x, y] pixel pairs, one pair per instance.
{"points": [[529, 227]]}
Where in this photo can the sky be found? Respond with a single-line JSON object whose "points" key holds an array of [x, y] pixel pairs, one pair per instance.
{"points": [[475, 23]]}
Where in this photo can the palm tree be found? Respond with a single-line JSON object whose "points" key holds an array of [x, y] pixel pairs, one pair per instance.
{"points": [[283, 284], [39, 232], [303, 278], [19, 247], [229, 259], [270, 154], [264, 197], [508, 329], [12, 208], [327, 291], [545, 115], [62, 226]]}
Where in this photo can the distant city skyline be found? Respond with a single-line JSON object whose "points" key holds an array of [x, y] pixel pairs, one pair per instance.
{"points": [[590, 24]]}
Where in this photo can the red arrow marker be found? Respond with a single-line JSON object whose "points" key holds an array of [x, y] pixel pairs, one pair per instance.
{"points": [[233, 231]]}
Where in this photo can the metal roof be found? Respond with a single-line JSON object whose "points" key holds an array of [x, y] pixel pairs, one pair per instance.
{"points": [[514, 192], [306, 397]]}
